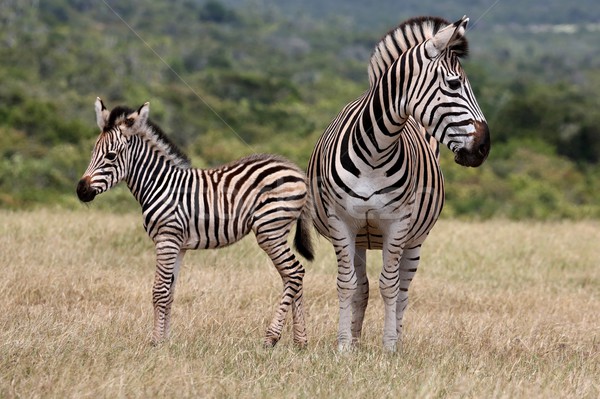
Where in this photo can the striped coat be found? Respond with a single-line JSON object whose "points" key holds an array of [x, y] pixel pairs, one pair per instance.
{"points": [[187, 208], [375, 179]]}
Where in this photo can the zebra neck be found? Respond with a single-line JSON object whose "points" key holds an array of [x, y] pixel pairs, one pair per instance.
{"points": [[384, 113], [380, 124], [151, 176]]}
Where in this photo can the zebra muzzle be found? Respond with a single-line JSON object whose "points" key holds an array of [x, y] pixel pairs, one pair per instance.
{"points": [[479, 149], [84, 190]]}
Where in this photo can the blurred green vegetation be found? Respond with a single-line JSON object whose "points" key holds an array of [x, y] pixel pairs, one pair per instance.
{"points": [[230, 78]]}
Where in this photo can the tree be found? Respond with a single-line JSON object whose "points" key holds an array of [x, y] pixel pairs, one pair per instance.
{"points": [[214, 11]]}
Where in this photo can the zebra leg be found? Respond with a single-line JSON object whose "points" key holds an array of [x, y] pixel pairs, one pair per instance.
{"points": [[299, 328], [360, 298], [168, 261], [389, 285], [344, 244], [408, 267], [275, 244], [175, 276]]}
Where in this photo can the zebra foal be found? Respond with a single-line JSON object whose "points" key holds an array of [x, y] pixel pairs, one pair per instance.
{"points": [[187, 208], [374, 174]]}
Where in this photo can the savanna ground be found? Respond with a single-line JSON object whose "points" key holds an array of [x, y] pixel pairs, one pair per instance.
{"points": [[497, 309]]}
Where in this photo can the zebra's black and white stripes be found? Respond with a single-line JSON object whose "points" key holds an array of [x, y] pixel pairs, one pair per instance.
{"points": [[186, 208], [374, 175]]}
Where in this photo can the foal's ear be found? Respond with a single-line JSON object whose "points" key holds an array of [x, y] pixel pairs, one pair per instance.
{"points": [[138, 119], [101, 113], [447, 37]]}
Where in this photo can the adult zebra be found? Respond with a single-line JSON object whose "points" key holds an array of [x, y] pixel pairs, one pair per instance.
{"points": [[374, 175], [186, 208]]}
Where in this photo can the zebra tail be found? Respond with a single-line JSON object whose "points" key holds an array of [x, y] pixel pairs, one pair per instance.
{"points": [[302, 239]]}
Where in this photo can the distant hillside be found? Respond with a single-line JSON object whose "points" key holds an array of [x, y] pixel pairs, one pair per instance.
{"points": [[227, 78], [379, 13]]}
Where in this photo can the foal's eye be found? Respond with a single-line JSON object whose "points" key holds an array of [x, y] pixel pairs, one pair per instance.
{"points": [[454, 84], [111, 156]]}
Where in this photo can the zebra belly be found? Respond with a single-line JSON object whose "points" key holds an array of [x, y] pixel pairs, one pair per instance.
{"points": [[373, 222], [207, 239], [372, 236]]}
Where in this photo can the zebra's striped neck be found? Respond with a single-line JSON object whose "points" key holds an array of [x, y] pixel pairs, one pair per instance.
{"points": [[381, 116], [150, 165]]}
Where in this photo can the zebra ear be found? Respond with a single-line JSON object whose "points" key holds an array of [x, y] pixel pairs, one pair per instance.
{"points": [[139, 118], [101, 113], [447, 37]]}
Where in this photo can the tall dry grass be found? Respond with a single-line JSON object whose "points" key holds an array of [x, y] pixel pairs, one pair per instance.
{"points": [[498, 309]]}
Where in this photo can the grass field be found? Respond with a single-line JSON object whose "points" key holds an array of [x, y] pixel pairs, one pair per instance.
{"points": [[498, 310]]}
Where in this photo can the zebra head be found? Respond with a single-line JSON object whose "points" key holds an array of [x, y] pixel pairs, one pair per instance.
{"points": [[109, 162], [443, 102]]}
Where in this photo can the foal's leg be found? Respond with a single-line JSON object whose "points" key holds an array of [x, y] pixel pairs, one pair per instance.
{"points": [[168, 261], [299, 326], [274, 242]]}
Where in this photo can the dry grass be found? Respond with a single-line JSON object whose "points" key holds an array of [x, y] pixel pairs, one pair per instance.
{"points": [[498, 309]]}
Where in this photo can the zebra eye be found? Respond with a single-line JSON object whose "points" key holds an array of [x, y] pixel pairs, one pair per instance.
{"points": [[454, 83], [111, 155]]}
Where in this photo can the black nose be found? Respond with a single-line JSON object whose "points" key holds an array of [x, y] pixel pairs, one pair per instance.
{"points": [[84, 191], [485, 141], [480, 150]]}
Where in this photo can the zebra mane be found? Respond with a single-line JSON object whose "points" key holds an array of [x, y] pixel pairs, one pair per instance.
{"points": [[155, 135], [408, 34]]}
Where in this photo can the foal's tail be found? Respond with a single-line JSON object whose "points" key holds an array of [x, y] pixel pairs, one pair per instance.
{"points": [[302, 239]]}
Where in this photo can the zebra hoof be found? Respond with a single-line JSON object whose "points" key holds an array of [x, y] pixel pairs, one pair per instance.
{"points": [[301, 344], [390, 348], [270, 342], [345, 347]]}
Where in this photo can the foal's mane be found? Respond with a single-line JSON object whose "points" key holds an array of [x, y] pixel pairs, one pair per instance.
{"points": [[154, 135], [408, 34]]}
